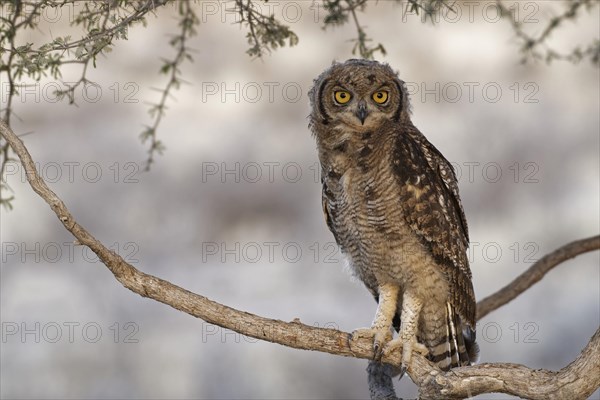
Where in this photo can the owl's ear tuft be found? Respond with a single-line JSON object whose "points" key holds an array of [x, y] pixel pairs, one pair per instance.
{"points": [[403, 102], [316, 101]]}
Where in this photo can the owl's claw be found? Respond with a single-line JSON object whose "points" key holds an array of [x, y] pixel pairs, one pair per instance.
{"points": [[402, 371], [380, 339], [407, 346]]}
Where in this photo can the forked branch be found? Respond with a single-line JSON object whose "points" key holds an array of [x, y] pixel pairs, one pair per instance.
{"points": [[576, 381]]}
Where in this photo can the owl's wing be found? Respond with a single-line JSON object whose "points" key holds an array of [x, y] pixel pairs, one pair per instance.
{"points": [[326, 199], [429, 197]]}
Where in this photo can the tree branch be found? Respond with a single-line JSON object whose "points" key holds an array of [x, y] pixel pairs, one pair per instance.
{"points": [[576, 381], [535, 273]]}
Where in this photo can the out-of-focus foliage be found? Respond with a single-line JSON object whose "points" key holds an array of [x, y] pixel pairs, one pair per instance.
{"points": [[102, 23]]}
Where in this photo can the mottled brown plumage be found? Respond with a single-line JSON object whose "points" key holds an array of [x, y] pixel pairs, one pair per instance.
{"points": [[391, 201]]}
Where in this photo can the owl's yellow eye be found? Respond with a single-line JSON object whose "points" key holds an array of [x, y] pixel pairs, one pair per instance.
{"points": [[342, 96], [380, 97]]}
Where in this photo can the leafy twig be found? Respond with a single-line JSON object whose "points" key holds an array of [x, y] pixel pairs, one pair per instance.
{"points": [[430, 8], [102, 22], [530, 45], [188, 24], [339, 12], [361, 41], [265, 32]]}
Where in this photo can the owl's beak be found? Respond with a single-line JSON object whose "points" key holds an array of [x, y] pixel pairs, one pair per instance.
{"points": [[361, 111]]}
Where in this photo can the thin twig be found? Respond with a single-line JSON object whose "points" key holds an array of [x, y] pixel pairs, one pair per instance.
{"points": [[188, 21], [530, 43]]}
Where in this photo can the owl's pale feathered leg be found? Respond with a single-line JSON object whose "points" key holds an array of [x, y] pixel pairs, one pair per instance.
{"points": [[381, 329], [407, 338]]}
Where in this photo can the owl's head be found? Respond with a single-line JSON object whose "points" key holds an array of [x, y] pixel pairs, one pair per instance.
{"points": [[359, 94]]}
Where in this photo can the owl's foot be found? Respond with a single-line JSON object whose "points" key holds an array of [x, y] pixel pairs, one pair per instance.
{"points": [[380, 337], [407, 346], [381, 329]]}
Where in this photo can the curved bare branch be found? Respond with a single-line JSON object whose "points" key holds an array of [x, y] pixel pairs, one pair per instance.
{"points": [[576, 381], [535, 273]]}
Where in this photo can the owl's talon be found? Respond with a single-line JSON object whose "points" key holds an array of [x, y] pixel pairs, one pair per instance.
{"points": [[392, 346], [377, 353], [402, 371], [380, 339], [408, 348]]}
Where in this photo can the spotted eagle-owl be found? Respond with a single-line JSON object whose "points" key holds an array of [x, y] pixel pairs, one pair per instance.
{"points": [[391, 200]]}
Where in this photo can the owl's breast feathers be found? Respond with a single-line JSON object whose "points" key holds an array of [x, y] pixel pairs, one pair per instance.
{"points": [[379, 186]]}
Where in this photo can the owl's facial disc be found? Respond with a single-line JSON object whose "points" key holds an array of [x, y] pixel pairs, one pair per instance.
{"points": [[361, 105]]}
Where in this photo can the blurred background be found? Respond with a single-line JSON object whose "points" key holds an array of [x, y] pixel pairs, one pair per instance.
{"points": [[232, 208]]}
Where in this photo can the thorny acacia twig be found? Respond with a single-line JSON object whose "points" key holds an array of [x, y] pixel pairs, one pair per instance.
{"points": [[104, 22], [188, 22]]}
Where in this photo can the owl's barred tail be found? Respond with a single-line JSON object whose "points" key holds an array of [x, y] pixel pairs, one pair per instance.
{"points": [[458, 347]]}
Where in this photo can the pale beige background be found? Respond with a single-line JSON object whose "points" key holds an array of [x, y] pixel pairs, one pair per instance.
{"points": [[164, 219]]}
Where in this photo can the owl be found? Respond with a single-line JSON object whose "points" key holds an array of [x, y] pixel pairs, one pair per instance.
{"points": [[391, 200]]}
